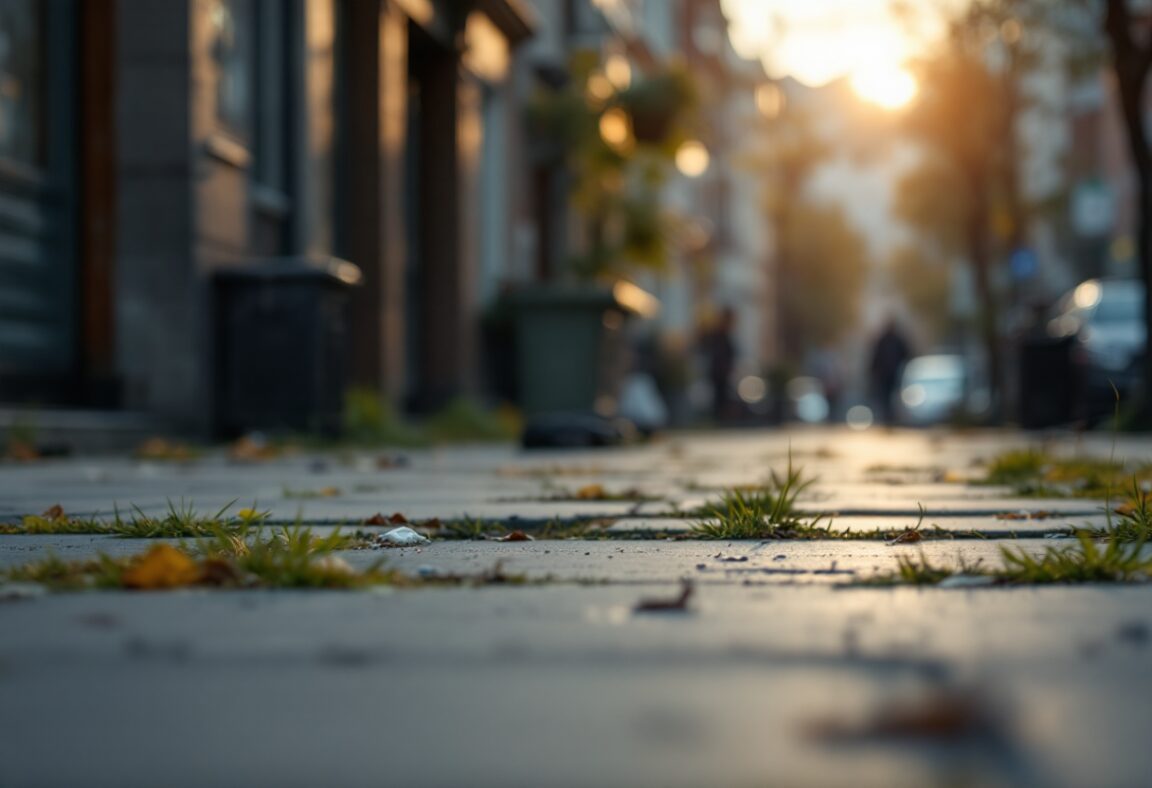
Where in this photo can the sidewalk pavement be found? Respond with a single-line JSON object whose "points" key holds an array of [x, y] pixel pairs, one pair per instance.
{"points": [[776, 675]]}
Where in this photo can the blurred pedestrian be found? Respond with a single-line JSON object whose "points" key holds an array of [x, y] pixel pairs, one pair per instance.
{"points": [[889, 354], [720, 349]]}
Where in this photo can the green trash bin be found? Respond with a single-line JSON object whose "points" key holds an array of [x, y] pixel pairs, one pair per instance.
{"points": [[570, 345]]}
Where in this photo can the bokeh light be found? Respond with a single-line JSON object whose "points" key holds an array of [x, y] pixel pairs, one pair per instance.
{"points": [[859, 417], [618, 71], [887, 87], [692, 158], [616, 128]]}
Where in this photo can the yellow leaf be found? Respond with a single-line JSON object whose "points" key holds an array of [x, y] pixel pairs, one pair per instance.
{"points": [[590, 491], [163, 566]]}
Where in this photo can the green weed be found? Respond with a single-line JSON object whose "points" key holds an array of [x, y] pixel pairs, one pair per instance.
{"points": [[768, 512], [241, 557], [921, 572], [1085, 562], [462, 420], [1036, 474], [1016, 466], [181, 521]]}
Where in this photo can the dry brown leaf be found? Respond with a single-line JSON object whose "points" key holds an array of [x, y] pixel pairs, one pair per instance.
{"points": [[1012, 516], [163, 566], [162, 449], [376, 519], [515, 536], [590, 492], [943, 714], [22, 451], [218, 572], [676, 604], [910, 536], [248, 449]]}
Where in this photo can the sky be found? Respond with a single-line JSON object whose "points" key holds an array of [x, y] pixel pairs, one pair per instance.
{"points": [[816, 41]]}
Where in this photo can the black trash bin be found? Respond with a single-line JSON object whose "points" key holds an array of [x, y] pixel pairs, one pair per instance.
{"points": [[1048, 382], [282, 345]]}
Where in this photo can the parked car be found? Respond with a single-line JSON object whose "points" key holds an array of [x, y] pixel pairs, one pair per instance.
{"points": [[938, 388], [1103, 319]]}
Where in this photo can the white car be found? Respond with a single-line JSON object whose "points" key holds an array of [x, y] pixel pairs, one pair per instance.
{"points": [[933, 389]]}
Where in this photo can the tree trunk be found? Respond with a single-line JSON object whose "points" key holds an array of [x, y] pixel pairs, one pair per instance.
{"points": [[979, 255], [1131, 62], [1131, 101]]}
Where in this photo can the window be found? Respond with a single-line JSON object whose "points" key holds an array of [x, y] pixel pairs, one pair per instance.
{"points": [[21, 81], [232, 47]]}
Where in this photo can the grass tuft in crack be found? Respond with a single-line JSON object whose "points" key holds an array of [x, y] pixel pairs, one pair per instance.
{"points": [[181, 521], [766, 513], [1133, 521], [1036, 474], [1086, 562], [247, 557], [1090, 560]]}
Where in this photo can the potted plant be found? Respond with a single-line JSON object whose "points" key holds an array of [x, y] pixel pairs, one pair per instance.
{"points": [[614, 148]]}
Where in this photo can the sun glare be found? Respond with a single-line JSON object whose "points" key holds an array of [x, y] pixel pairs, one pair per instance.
{"points": [[888, 87]]}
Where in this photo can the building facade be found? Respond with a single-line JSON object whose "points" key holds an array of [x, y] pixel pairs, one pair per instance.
{"points": [[146, 145]]}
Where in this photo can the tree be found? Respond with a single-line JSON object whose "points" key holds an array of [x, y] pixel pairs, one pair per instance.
{"points": [[1131, 62], [969, 201], [823, 261], [820, 259], [924, 281]]}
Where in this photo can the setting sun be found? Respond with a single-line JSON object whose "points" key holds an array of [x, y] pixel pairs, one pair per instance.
{"points": [[888, 87]]}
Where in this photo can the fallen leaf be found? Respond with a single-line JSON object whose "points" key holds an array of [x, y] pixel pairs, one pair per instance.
{"points": [[163, 566], [398, 519], [55, 512], [1042, 515], [1012, 516], [677, 604], [590, 492], [250, 448], [218, 572], [943, 714], [162, 449], [515, 536], [22, 451], [433, 523], [908, 536], [377, 519]]}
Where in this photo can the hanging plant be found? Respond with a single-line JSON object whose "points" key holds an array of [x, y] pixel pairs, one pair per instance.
{"points": [[658, 105]]}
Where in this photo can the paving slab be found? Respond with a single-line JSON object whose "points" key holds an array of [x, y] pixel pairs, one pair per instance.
{"points": [[604, 561], [563, 686]]}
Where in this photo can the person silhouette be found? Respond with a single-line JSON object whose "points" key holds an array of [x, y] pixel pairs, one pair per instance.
{"points": [[720, 348], [889, 353]]}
